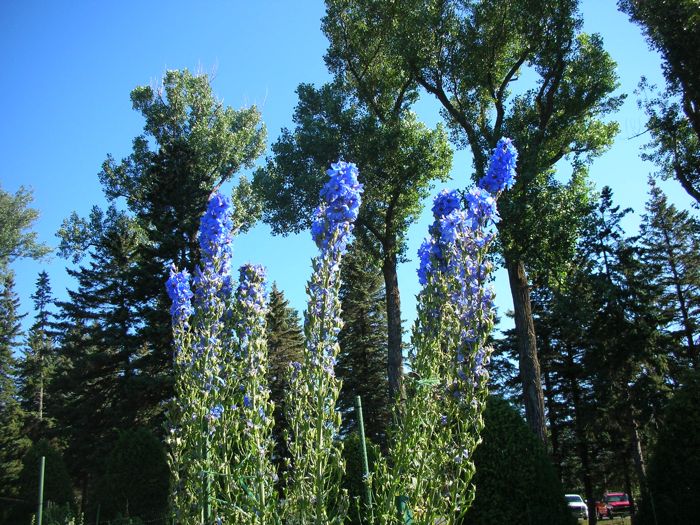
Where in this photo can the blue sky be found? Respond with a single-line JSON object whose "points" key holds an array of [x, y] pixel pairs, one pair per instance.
{"points": [[68, 68]]}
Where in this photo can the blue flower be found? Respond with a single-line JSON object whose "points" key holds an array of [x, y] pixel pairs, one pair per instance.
{"points": [[445, 203], [178, 287], [251, 291], [481, 207], [216, 412], [216, 231], [501, 171], [339, 208]]}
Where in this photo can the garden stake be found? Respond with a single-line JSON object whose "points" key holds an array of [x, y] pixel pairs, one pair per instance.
{"points": [[207, 480], [365, 465], [39, 514], [97, 518]]}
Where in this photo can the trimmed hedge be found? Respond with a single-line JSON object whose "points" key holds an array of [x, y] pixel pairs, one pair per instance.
{"points": [[515, 479], [674, 468]]}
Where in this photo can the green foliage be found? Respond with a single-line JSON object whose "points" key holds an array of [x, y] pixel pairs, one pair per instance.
{"points": [[135, 480], [673, 29], [13, 441], [16, 220], [515, 480], [671, 241], [674, 469], [353, 480], [400, 159], [362, 361], [285, 344], [58, 487], [36, 367], [115, 330]]}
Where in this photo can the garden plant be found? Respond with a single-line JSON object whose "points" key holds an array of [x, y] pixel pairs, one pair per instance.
{"points": [[220, 420]]}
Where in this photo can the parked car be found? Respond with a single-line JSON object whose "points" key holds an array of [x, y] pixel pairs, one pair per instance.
{"points": [[577, 506], [613, 504]]}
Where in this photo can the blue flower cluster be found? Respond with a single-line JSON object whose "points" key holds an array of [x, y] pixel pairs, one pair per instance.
{"points": [[501, 171], [178, 287], [454, 255], [216, 231], [341, 199], [251, 292]]}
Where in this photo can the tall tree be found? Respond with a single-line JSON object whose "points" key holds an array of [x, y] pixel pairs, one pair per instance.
{"points": [[285, 344], [36, 366], [468, 54], [16, 221], [191, 144], [399, 159], [13, 442], [671, 239], [673, 29], [363, 355], [98, 382]]}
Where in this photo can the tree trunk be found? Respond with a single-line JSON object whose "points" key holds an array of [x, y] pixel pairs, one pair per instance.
{"points": [[394, 329], [527, 347]]}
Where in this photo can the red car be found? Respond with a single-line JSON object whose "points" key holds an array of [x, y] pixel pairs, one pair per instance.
{"points": [[613, 504]]}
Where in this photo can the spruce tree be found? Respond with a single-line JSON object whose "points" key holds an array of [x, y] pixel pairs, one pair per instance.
{"points": [[36, 366], [191, 144], [97, 385], [671, 240], [13, 443], [363, 346], [285, 344]]}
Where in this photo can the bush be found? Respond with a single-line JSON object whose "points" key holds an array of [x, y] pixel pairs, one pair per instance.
{"points": [[135, 482], [515, 479], [354, 471], [674, 469]]}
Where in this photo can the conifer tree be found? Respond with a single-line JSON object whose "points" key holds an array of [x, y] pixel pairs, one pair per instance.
{"points": [[97, 383], [191, 144], [13, 443], [363, 355], [36, 367], [285, 343], [671, 240]]}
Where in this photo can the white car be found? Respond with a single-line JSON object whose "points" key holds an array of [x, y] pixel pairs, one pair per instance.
{"points": [[577, 506]]}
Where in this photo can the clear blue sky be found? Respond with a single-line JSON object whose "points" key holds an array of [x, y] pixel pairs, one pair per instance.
{"points": [[67, 69]]}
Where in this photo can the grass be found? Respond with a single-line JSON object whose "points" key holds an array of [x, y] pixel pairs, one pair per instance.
{"points": [[615, 521]]}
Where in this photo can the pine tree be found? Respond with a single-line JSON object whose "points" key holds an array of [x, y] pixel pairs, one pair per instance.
{"points": [[13, 443], [363, 346], [671, 240], [285, 343]]}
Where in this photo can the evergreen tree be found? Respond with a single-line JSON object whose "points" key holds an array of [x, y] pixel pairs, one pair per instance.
{"points": [[13, 443], [97, 384], [363, 346], [285, 343], [671, 240], [36, 367], [191, 144], [627, 350]]}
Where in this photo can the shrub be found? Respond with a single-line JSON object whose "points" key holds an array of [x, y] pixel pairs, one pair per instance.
{"points": [[57, 482], [354, 471], [135, 482], [515, 479], [674, 469]]}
